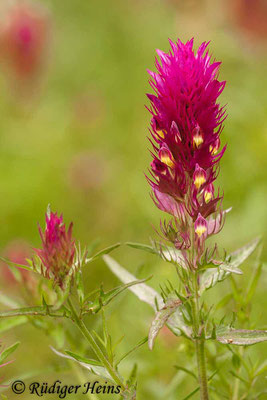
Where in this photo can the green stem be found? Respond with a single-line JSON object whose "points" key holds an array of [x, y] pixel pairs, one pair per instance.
{"points": [[45, 311], [237, 380], [98, 351], [77, 371], [200, 344]]}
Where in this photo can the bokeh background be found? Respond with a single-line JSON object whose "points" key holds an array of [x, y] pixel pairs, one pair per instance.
{"points": [[73, 134]]}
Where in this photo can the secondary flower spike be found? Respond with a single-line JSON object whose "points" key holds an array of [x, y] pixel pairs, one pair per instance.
{"points": [[185, 127], [58, 251]]}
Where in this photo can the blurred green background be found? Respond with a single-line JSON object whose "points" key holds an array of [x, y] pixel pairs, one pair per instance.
{"points": [[80, 144]]}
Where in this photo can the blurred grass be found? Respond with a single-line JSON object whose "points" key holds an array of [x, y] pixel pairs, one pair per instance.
{"points": [[92, 104]]}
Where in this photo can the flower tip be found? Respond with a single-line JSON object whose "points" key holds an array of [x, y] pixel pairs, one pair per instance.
{"points": [[166, 157], [199, 176], [201, 226]]}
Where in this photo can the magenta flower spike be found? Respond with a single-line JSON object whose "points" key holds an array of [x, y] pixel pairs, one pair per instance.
{"points": [[58, 251], [185, 128]]}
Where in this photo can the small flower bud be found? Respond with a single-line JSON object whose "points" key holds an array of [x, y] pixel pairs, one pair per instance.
{"points": [[199, 176], [214, 147], [198, 137], [156, 127], [201, 225], [158, 167], [57, 253], [175, 132], [208, 193], [166, 156]]}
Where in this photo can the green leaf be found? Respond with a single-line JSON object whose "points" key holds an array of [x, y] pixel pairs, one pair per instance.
{"points": [[161, 319], [8, 351], [83, 359], [239, 377], [8, 301], [139, 344], [241, 337], [143, 247], [101, 253], [229, 268], [148, 295], [239, 256], [254, 283], [236, 361], [261, 369], [93, 368], [80, 260], [169, 254], [198, 388], [172, 255], [144, 292], [12, 264], [179, 368], [93, 245], [212, 276], [260, 394], [36, 310], [255, 279], [10, 323], [132, 378], [106, 298]]}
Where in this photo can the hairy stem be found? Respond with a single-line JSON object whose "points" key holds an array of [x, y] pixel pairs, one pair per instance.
{"points": [[200, 343], [98, 351]]}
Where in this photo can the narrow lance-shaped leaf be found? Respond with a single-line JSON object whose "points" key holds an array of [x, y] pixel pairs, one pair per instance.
{"points": [[161, 319], [132, 378], [167, 253], [143, 341], [144, 292], [212, 276], [239, 256], [148, 295], [172, 255], [258, 265], [187, 371], [92, 367], [106, 298], [198, 388], [46, 310], [143, 247], [101, 253], [241, 337], [10, 323], [8, 301], [8, 351], [83, 359], [12, 264]]}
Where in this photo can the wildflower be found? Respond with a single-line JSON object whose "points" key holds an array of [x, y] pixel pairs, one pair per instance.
{"points": [[208, 193], [185, 127], [199, 176], [24, 38], [58, 251], [200, 226], [198, 137]]}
